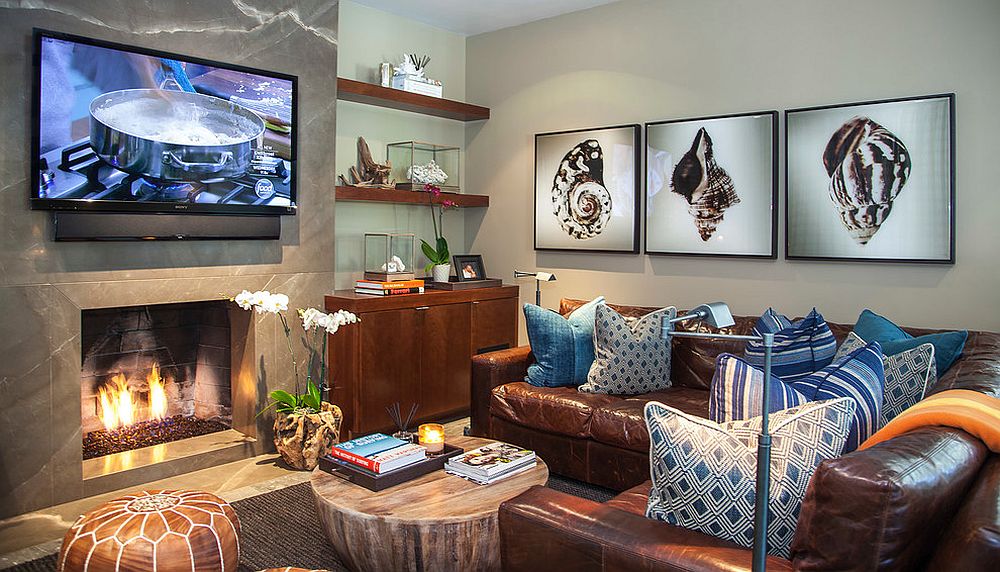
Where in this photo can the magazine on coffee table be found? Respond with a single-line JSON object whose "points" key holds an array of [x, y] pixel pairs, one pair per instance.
{"points": [[491, 462]]}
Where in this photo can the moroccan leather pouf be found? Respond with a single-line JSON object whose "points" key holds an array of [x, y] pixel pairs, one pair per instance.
{"points": [[168, 530]]}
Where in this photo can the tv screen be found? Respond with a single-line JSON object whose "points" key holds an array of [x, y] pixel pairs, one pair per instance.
{"points": [[121, 128]]}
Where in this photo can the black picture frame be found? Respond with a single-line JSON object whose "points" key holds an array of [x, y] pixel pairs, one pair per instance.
{"points": [[944, 158], [474, 261], [768, 167], [630, 243]]}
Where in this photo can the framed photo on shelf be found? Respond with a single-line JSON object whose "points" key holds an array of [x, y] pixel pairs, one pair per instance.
{"points": [[469, 267], [872, 181], [587, 190], [712, 186]]}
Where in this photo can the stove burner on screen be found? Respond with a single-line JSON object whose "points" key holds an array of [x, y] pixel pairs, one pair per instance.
{"points": [[76, 172], [160, 191]]}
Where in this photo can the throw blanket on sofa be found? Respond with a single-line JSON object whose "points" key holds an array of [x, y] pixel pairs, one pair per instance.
{"points": [[973, 412]]}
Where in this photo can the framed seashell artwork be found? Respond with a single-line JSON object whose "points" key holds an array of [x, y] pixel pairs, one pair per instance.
{"points": [[872, 181], [712, 186], [587, 190]]}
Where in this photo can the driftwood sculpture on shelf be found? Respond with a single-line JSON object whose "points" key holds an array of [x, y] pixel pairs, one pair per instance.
{"points": [[368, 173]]}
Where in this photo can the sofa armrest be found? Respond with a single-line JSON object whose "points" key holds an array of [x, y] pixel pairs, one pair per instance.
{"points": [[885, 507], [973, 539], [491, 370], [542, 527]]}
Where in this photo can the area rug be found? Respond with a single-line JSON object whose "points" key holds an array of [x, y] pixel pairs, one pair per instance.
{"points": [[280, 528]]}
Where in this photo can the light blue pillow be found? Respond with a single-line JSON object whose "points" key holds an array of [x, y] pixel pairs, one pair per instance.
{"points": [[800, 348], [563, 347], [948, 346], [736, 389]]}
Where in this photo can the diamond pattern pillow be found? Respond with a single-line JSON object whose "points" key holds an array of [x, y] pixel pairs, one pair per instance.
{"points": [[800, 348], [907, 375], [704, 473], [629, 357], [735, 392]]}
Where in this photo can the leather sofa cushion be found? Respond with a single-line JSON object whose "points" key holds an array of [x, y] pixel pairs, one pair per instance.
{"points": [[972, 542], [622, 424], [562, 410]]}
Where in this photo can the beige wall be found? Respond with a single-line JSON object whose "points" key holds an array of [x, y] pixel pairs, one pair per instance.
{"points": [[632, 61], [368, 37]]}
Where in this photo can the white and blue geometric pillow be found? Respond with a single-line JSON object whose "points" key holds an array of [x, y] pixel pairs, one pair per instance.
{"points": [[704, 473], [737, 388], [800, 348], [908, 374], [629, 356]]}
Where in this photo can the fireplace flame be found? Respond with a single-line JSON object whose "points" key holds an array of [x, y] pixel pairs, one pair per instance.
{"points": [[119, 404], [157, 395]]}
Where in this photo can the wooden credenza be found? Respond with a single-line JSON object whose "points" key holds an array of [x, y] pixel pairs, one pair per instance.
{"points": [[414, 348]]}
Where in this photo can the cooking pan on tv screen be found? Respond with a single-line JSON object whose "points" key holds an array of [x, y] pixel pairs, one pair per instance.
{"points": [[126, 129]]}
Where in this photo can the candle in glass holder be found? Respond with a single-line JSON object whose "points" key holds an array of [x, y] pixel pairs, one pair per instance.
{"points": [[431, 436]]}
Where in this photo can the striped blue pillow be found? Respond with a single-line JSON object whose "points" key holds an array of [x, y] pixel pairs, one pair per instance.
{"points": [[800, 348], [737, 386]]}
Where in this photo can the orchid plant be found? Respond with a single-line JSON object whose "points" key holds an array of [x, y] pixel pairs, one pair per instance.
{"points": [[315, 323], [437, 254]]}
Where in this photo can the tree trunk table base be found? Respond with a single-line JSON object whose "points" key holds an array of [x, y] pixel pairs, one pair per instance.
{"points": [[436, 522]]}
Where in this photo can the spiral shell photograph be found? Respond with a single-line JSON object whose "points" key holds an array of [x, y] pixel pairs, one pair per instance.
{"points": [[580, 201], [868, 167], [706, 186], [871, 181], [586, 190]]}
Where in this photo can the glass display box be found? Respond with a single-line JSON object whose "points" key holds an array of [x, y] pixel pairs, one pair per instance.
{"points": [[415, 163], [389, 256]]}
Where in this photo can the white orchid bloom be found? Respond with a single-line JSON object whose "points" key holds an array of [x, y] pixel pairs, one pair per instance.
{"points": [[309, 317], [244, 299]]}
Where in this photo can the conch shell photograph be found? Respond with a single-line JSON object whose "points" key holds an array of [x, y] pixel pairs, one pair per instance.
{"points": [[586, 190], [871, 181], [711, 186]]}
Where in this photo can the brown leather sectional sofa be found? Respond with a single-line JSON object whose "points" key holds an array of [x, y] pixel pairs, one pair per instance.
{"points": [[927, 499]]}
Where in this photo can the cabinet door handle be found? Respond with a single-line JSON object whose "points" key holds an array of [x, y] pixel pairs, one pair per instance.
{"points": [[475, 303], [421, 308]]}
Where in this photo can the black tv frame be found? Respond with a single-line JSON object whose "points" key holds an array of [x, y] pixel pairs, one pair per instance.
{"points": [[76, 205]]}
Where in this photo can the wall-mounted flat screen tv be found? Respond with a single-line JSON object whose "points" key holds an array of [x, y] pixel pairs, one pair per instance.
{"points": [[127, 129]]}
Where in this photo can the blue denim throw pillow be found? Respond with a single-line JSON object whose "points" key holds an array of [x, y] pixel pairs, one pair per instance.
{"points": [[563, 347], [948, 346]]}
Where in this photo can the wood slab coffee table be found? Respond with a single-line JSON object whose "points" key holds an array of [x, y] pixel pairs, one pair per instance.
{"points": [[436, 522]]}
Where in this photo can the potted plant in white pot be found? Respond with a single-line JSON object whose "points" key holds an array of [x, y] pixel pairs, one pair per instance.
{"points": [[438, 255], [305, 424]]}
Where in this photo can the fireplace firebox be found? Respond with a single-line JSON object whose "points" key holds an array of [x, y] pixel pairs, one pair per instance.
{"points": [[153, 375]]}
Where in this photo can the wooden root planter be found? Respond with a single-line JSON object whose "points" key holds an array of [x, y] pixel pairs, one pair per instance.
{"points": [[302, 439]]}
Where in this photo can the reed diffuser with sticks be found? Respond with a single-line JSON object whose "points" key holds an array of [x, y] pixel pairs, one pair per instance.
{"points": [[402, 424]]}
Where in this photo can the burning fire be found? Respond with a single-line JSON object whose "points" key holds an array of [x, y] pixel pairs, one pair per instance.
{"points": [[120, 406]]}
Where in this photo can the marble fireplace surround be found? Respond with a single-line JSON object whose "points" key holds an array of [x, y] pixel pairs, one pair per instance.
{"points": [[45, 285]]}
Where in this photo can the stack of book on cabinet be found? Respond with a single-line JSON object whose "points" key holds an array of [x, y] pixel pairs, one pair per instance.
{"points": [[491, 463], [378, 453], [377, 288]]}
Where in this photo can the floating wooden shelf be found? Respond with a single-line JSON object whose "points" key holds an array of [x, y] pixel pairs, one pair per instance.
{"points": [[408, 197], [371, 94]]}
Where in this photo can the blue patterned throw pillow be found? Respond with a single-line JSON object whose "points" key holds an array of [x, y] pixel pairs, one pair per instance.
{"points": [[907, 375], [800, 348], [737, 388], [563, 347], [704, 473]]}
